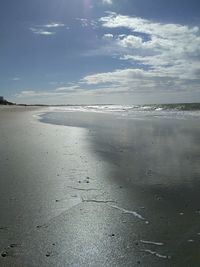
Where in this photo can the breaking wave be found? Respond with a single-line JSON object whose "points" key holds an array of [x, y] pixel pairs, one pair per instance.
{"points": [[168, 110]]}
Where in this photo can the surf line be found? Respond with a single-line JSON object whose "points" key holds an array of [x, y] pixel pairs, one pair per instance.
{"points": [[137, 215]]}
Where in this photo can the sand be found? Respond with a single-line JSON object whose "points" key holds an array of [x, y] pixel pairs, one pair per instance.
{"points": [[100, 193]]}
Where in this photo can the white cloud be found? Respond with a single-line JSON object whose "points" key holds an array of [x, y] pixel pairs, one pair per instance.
{"points": [[137, 24], [137, 81], [126, 80], [41, 31], [130, 41], [109, 2], [166, 54], [117, 76], [53, 25], [108, 36]]}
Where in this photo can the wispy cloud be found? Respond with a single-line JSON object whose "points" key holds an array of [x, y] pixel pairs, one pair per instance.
{"points": [[16, 79], [87, 23], [67, 88], [41, 31], [46, 29], [59, 91], [24, 94], [84, 22]]}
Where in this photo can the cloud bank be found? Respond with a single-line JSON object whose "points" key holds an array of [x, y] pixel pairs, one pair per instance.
{"points": [[166, 55], [161, 58]]}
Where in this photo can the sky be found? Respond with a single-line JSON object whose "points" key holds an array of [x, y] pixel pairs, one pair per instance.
{"points": [[100, 51]]}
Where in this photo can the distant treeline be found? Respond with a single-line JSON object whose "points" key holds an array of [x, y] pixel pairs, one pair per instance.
{"points": [[5, 102]]}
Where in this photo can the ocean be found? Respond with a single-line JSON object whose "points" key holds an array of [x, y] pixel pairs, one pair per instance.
{"points": [[181, 111]]}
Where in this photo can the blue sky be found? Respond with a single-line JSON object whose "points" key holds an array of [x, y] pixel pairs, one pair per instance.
{"points": [[100, 51]]}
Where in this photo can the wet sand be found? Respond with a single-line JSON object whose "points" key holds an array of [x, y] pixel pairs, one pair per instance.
{"points": [[105, 192]]}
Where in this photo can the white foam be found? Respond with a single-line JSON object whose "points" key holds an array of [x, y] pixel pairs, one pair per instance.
{"points": [[94, 108], [152, 243], [157, 254], [128, 212], [129, 110]]}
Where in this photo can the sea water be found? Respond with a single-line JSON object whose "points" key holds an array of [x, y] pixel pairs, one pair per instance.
{"points": [[181, 111]]}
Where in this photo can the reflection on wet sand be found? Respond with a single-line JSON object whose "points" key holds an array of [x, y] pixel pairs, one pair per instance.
{"points": [[156, 164]]}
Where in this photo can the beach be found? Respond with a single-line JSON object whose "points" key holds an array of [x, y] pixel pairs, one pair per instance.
{"points": [[96, 189]]}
